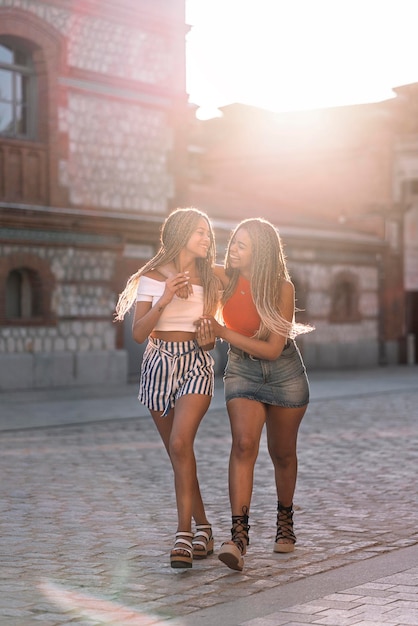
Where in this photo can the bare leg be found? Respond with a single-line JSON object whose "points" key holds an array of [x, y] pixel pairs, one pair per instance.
{"points": [[247, 419], [165, 426], [188, 414], [178, 431], [282, 431]]}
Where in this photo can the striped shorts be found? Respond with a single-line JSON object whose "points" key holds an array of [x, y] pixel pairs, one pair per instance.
{"points": [[171, 369]]}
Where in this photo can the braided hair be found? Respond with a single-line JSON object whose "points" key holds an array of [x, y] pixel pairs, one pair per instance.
{"points": [[268, 272], [175, 233]]}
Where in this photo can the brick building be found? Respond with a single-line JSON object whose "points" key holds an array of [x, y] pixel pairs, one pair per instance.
{"points": [[98, 144], [92, 103], [339, 185]]}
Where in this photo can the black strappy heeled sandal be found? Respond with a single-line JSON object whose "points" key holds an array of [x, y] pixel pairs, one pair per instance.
{"points": [[285, 537], [232, 552]]}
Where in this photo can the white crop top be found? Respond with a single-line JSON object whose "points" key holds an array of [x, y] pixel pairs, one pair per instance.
{"points": [[180, 313]]}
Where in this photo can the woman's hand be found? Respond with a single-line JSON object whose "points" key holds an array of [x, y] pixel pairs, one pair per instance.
{"points": [[208, 329], [215, 327], [146, 316], [205, 335], [185, 290], [173, 285]]}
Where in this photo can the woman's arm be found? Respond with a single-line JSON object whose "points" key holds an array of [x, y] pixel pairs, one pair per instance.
{"points": [[146, 315], [271, 348]]}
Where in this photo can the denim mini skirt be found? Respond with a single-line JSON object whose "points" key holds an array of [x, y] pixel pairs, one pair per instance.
{"points": [[282, 382]]}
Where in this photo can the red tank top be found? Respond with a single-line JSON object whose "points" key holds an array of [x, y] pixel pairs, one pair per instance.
{"points": [[239, 312]]}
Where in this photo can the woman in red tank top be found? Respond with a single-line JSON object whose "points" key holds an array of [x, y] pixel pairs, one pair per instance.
{"points": [[265, 377]]}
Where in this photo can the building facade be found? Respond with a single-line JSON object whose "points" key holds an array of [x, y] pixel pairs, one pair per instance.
{"points": [[331, 181], [92, 98], [98, 144]]}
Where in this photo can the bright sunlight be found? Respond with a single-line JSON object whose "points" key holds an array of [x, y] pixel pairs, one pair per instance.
{"points": [[299, 54]]}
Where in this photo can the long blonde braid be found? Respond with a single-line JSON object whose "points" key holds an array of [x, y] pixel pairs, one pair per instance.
{"points": [[175, 233], [268, 271]]}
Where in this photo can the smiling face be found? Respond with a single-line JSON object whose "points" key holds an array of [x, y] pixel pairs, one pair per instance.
{"points": [[240, 252], [200, 240]]}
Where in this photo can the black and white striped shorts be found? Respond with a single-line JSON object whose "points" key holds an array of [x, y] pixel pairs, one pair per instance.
{"points": [[171, 369]]}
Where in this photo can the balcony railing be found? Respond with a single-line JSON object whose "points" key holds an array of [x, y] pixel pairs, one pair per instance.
{"points": [[23, 167]]}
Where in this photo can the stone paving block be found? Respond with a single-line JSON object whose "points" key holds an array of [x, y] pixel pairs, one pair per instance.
{"points": [[380, 622], [370, 600], [412, 596], [277, 619], [369, 610], [91, 506], [404, 617], [336, 618]]}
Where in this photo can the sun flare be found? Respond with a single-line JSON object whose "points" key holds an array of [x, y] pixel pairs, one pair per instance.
{"points": [[299, 54]]}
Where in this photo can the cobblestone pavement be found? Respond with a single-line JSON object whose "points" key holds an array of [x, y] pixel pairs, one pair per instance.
{"points": [[87, 520]]}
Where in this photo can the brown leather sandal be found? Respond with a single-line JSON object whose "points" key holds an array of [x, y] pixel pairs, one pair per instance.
{"points": [[202, 541], [182, 545]]}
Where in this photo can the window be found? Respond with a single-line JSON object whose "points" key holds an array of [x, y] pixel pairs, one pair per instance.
{"points": [[22, 294], [344, 300], [17, 90], [26, 289]]}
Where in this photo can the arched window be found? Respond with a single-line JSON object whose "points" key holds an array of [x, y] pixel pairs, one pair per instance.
{"points": [[17, 90], [26, 288], [344, 300], [23, 294]]}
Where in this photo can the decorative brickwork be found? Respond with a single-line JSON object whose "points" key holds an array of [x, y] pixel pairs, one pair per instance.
{"points": [[77, 301], [44, 287], [117, 154], [107, 141], [109, 112], [104, 46]]}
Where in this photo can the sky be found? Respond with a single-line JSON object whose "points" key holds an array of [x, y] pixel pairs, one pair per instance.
{"points": [[286, 55]]}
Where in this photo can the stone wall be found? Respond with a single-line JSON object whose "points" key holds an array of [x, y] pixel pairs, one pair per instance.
{"points": [[117, 154], [109, 98], [340, 345], [109, 101], [78, 345], [108, 47]]}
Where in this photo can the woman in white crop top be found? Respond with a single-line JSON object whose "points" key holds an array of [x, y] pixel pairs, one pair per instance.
{"points": [[177, 376]]}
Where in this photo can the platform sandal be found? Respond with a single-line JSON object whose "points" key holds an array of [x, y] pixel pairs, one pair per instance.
{"points": [[285, 537], [232, 552], [178, 558], [202, 541]]}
